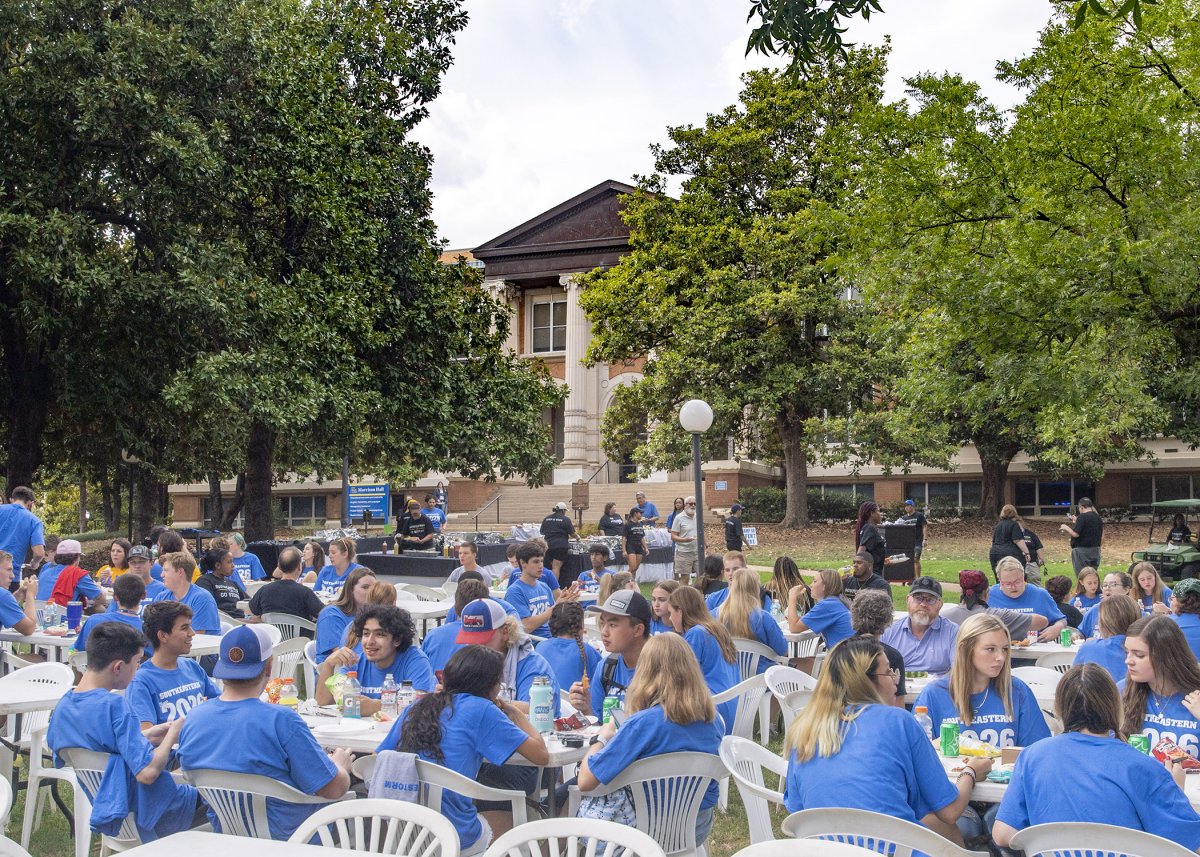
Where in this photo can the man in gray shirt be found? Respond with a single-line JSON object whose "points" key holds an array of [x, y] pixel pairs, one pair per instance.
{"points": [[974, 600], [687, 550]]}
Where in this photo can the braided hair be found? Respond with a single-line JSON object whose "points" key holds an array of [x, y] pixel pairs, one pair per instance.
{"points": [[566, 620]]}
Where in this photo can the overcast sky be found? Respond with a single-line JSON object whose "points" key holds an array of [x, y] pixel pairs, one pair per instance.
{"points": [[547, 98]]}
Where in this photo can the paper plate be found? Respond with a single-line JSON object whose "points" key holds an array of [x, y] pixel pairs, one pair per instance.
{"points": [[346, 727]]}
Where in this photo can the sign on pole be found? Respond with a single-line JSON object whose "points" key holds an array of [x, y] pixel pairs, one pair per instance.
{"points": [[373, 498]]}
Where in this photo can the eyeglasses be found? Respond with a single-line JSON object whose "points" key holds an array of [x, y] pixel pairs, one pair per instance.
{"points": [[1117, 585], [895, 674], [689, 504], [923, 598]]}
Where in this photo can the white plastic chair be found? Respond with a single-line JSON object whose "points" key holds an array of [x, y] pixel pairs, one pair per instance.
{"points": [[1042, 681], [6, 802], [53, 677], [289, 626], [749, 695], [1058, 661], [310, 669], [381, 827], [405, 595], [806, 646], [667, 792], [423, 593], [449, 588], [239, 801], [782, 682], [746, 762], [8, 848], [813, 848], [42, 772], [573, 837], [871, 830], [89, 766], [1066, 838], [435, 779], [751, 655], [289, 655]]}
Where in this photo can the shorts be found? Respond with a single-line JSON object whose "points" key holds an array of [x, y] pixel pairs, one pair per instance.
{"points": [[917, 551], [481, 844], [636, 551], [686, 565], [552, 554]]}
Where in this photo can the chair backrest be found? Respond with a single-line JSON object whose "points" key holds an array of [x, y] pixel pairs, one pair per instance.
{"points": [[6, 801], [449, 588], [812, 848], [89, 766], [806, 645], [573, 837], [310, 669], [749, 694], [289, 655], [289, 626], [1042, 681], [381, 827], [872, 831], [1066, 838], [435, 779], [783, 682], [423, 593], [750, 654], [1057, 661], [240, 800], [746, 760], [59, 677]]}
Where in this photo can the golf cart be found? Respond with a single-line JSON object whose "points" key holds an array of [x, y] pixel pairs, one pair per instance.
{"points": [[1174, 560]]}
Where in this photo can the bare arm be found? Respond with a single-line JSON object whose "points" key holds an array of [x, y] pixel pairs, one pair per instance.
{"points": [[337, 787], [162, 754], [966, 782], [586, 779], [28, 595], [533, 747]]}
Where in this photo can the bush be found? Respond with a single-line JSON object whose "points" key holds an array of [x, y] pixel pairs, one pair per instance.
{"points": [[763, 505], [831, 507], [1115, 514]]}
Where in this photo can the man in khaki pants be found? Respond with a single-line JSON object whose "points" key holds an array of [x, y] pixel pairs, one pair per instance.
{"points": [[683, 534]]}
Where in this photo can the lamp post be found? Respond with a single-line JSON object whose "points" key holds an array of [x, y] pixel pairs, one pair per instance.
{"points": [[696, 417]]}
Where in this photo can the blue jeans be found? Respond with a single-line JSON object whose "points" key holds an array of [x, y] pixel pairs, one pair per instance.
{"points": [[704, 824]]}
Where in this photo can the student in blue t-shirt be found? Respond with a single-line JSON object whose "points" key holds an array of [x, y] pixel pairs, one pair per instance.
{"points": [[386, 635], [746, 620], [460, 727], [330, 579], [170, 685], [441, 643], [660, 596], [128, 592], [246, 566], [547, 577], [712, 644], [1161, 684], [1115, 583], [178, 586], [333, 621], [872, 743], [568, 654], [532, 598], [1149, 589], [624, 629], [829, 616], [668, 709], [598, 554], [21, 531], [93, 717], [435, 515], [1124, 787], [1087, 589], [47, 576], [1185, 610], [1014, 593], [239, 733], [1108, 650], [18, 611]]}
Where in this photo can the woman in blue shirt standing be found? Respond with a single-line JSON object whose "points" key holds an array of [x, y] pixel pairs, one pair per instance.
{"points": [[1161, 691], [1124, 787], [711, 643], [847, 737], [743, 615], [1108, 650]]}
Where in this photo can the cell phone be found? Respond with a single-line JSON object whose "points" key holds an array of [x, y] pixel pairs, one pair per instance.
{"points": [[618, 716], [28, 570]]}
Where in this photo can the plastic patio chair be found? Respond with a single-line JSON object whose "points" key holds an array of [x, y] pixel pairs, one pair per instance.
{"points": [[58, 678], [573, 837], [812, 848], [667, 792], [289, 626], [782, 682], [239, 801], [424, 593], [871, 830], [435, 779], [42, 772], [310, 669], [747, 762], [89, 766], [1057, 661], [6, 802], [1042, 681], [381, 827], [1067, 838], [289, 656], [751, 655], [749, 695]]}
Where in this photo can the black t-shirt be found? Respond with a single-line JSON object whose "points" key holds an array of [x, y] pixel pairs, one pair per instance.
{"points": [[612, 525], [226, 590], [733, 533], [851, 584], [557, 529], [1074, 617], [870, 540], [634, 538], [417, 528], [1179, 535], [1034, 543], [1090, 528], [1006, 532], [917, 519], [707, 586], [286, 596]]}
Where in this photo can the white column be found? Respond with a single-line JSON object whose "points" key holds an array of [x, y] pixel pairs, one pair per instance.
{"points": [[576, 463], [504, 292]]}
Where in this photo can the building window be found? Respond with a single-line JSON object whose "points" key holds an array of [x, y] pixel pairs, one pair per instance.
{"points": [[1051, 497], [553, 417], [299, 509], [549, 326], [942, 493], [1144, 490], [860, 491]]}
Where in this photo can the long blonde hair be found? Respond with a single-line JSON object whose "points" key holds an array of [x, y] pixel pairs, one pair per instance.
{"points": [[843, 691], [962, 673], [693, 611], [610, 583], [1156, 592], [669, 675], [741, 603]]}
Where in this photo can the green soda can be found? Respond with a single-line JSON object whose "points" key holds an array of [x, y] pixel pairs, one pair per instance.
{"points": [[949, 739], [1141, 743], [1065, 637], [610, 702]]}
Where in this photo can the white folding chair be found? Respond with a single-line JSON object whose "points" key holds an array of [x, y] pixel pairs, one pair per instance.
{"points": [[871, 830], [573, 837], [747, 762], [749, 695], [813, 848], [310, 669], [289, 655], [667, 792], [1042, 681], [1057, 661], [42, 772], [239, 801], [435, 779], [423, 593], [380, 827], [1066, 838], [89, 766], [289, 626], [751, 656], [783, 682]]}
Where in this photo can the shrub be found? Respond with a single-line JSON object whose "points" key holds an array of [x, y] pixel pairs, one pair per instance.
{"points": [[1115, 514], [763, 505]]}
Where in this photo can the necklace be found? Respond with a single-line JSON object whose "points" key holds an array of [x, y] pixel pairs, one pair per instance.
{"points": [[1159, 702], [986, 691]]}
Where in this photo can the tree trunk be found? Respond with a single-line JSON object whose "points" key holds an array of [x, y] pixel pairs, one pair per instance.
{"points": [[260, 454], [83, 501], [149, 513], [30, 390], [110, 500], [225, 522], [795, 471], [216, 503], [995, 464]]}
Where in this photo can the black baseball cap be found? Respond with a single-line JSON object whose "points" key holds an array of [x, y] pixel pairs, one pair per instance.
{"points": [[626, 602], [928, 585]]}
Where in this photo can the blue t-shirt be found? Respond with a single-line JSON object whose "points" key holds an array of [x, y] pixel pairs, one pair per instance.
{"points": [[20, 530], [885, 747], [830, 618], [1082, 603], [547, 578], [10, 611], [156, 572], [1108, 652], [329, 582], [588, 578], [1032, 600], [649, 733], [331, 631], [649, 510], [565, 659], [714, 600], [719, 674], [1147, 603], [248, 567], [157, 695], [989, 723], [1167, 717], [621, 677], [1090, 622], [80, 644], [529, 667], [473, 729], [439, 644], [767, 631], [100, 721], [255, 737], [531, 600], [1189, 623], [152, 590], [1124, 787], [436, 517], [658, 626], [47, 577], [205, 618], [410, 665]]}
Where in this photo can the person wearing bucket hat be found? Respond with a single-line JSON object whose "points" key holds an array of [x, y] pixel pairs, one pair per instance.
{"points": [[558, 530], [241, 734], [624, 629]]}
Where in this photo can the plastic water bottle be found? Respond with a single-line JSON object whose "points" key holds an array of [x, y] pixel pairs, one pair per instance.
{"points": [[387, 696], [924, 720], [406, 697], [352, 696], [541, 705]]}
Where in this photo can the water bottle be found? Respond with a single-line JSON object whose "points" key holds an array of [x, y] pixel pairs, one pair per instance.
{"points": [[352, 696], [406, 696], [541, 705], [288, 696], [387, 696], [924, 720], [48, 616]]}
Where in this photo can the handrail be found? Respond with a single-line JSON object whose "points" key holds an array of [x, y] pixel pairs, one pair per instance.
{"points": [[495, 499], [596, 473]]}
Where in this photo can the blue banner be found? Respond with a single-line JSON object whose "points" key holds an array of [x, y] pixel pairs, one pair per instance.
{"points": [[373, 498]]}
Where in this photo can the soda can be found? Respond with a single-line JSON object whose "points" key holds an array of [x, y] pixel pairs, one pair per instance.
{"points": [[949, 739], [1141, 743], [610, 703], [1064, 637]]}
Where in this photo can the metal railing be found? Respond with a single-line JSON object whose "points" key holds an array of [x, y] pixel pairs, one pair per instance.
{"points": [[494, 500]]}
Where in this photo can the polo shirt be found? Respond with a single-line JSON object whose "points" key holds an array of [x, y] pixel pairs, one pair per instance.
{"points": [[932, 653]]}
